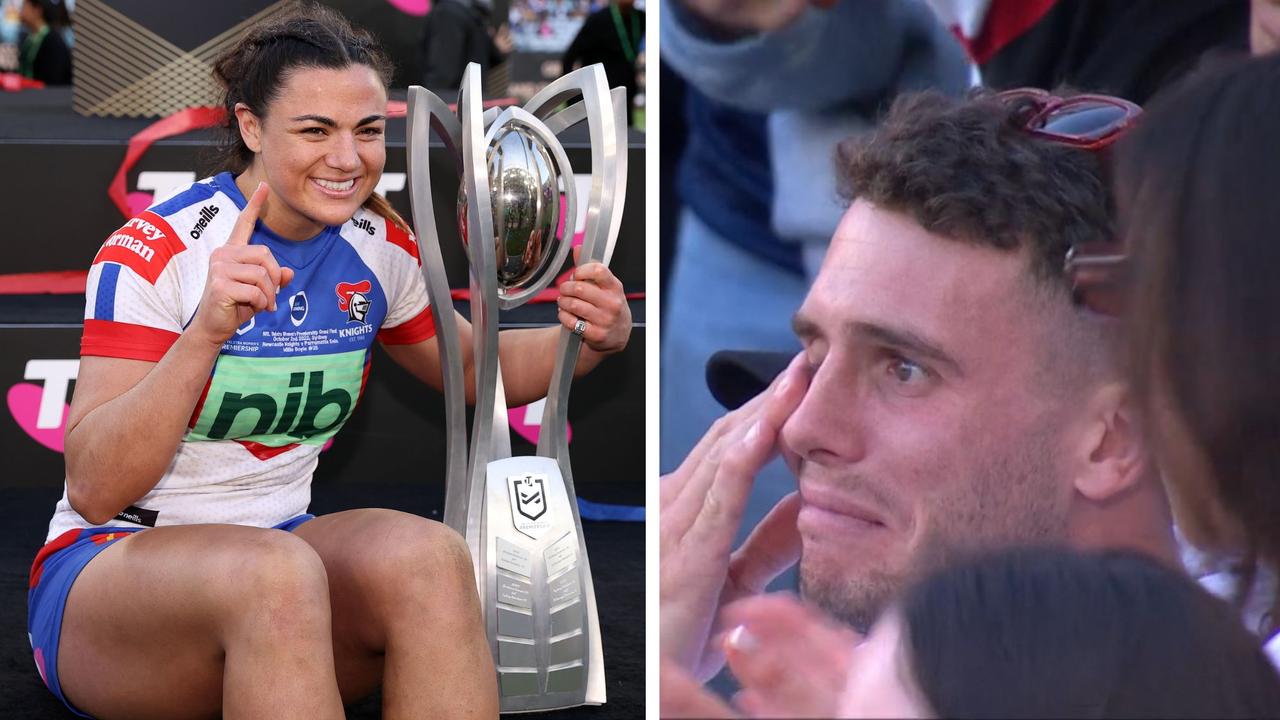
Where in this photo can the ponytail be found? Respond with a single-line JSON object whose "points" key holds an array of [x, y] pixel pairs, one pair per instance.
{"points": [[378, 204]]}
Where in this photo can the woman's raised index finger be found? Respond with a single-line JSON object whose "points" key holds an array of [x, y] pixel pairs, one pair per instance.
{"points": [[243, 229]]}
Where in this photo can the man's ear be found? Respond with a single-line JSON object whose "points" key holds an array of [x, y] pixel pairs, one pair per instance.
{"points": [[250, 127], [1112, 452]]}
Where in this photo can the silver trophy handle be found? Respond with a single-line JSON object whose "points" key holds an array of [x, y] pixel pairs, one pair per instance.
{"points": [[427, 112], [608, 187], [608, 129], [490, 433]]}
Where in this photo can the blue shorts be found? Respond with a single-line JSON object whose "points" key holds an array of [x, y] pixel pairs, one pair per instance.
{"points": [[55, 569]]}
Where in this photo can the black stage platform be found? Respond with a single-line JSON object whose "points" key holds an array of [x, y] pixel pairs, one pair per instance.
{"points": [[616, 550]]}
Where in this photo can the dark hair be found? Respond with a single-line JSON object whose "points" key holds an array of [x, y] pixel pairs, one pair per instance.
{"points": [[1196, 188], [54, 12], [964, 168], [1056, 633], [252, 72]]}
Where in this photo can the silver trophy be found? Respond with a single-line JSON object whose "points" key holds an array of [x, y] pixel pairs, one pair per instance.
{"points": [[520, 514]]}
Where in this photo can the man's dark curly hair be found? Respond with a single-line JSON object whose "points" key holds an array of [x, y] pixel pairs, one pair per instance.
{"points": [[965, 169]]}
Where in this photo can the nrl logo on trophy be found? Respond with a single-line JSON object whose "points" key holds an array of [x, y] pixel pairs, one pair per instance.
{"points": [[532, 573], [528, 503]]}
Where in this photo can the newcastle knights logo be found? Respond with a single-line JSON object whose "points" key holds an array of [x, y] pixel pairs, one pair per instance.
{"points": [[353, 299], [529, 503]]}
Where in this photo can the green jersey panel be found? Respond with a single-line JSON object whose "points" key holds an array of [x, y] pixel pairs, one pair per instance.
{"points": [[277, 401]]}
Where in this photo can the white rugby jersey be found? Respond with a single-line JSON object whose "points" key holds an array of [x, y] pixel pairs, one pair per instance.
{"points": [[284, 384]]}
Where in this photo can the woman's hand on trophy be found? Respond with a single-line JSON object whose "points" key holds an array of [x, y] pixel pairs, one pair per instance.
{"points": [[243, 279], [594, 305]]}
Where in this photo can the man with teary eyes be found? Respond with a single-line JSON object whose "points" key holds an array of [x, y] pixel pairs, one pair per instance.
{"points": [[950, 396]]}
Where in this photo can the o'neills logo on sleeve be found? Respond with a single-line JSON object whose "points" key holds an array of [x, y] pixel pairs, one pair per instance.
{"points": [[145, 244], [207, 213], [363, 224]]}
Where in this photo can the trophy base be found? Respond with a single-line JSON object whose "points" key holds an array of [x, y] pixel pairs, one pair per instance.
{"points": [[538, 599]]}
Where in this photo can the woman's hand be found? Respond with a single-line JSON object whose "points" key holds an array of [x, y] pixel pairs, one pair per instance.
{"points": [[243, 279], [790, 659], [594, 295]]}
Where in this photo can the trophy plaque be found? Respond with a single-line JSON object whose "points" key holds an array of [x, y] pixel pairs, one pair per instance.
{"points": [[519, 515]]}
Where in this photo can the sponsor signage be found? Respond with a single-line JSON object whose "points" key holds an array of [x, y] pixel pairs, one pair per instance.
{"points": [[395, 434]]}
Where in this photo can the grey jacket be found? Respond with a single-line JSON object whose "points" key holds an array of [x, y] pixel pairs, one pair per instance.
{"points": [[821, 79]]}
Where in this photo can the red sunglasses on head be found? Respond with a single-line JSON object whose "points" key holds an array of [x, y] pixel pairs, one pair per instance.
{"points": [[1088, 122], [1099, 271]]}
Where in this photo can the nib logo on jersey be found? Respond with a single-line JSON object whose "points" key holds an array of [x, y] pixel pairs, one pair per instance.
{"points": [[280, 401]]}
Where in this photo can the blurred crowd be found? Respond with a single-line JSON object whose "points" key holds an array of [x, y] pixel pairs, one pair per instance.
{"points": [[550, 37], [577, 32], [36, 39], [985, 287], [548, 25]]}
